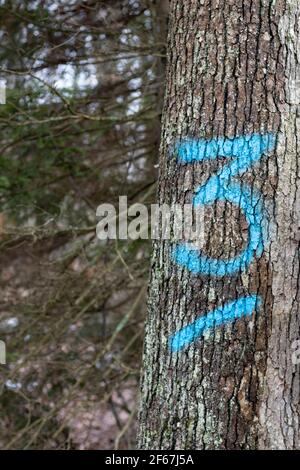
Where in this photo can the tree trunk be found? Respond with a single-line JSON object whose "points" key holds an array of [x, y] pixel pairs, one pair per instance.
{"points": [[223, 320]]}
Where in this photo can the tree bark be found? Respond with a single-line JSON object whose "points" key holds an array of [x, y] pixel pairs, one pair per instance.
{"points": [[230, 112]]}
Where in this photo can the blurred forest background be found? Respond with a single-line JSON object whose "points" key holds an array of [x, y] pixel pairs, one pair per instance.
{"points": [[80, 127]]}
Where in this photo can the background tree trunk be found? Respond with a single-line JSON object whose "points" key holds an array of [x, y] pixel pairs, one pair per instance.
{"points": [[233, 70]]}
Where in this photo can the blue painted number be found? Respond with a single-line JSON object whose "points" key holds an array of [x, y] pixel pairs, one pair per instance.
{"points": [[244, 152]]}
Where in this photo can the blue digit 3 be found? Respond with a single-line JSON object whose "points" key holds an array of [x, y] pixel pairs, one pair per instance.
{"points": [[244, 152]]}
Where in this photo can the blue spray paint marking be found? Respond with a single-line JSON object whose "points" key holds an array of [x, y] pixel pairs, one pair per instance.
{"points": [[242, 307], [244, 152]]}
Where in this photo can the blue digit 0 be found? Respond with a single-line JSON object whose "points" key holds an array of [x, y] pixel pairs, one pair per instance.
{"points": [[244, 152]]}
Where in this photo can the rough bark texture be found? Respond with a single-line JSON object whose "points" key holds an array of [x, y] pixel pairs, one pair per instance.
{"points": [[232, 71]]}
